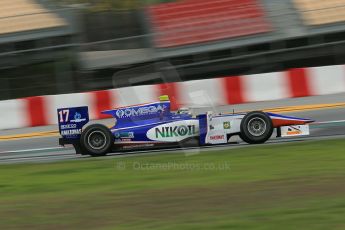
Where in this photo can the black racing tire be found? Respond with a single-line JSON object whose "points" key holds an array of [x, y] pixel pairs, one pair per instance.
{"points": [[256, 128], [97, 140]]}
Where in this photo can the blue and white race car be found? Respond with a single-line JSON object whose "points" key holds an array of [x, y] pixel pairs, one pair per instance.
{"points": [[153, 125]]}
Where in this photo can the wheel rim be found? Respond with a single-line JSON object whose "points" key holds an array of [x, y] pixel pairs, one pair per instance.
{"points": [[97, 140], [257, 126]]}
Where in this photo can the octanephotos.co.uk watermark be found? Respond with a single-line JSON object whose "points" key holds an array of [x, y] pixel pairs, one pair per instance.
{"points": [[166, 166]]}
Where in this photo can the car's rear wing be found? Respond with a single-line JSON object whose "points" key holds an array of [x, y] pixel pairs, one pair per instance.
{"points": [[72, 120]]}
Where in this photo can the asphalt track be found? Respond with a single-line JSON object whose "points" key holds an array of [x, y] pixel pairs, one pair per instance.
{"points": [[330, 123]]}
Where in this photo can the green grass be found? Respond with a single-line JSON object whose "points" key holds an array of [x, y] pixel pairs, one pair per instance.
{"points": [[288, 186]]}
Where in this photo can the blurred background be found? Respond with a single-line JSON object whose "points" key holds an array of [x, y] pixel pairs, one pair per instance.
{"points": [[66, 46]]}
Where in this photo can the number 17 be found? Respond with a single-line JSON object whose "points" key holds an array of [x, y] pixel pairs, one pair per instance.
{"points": [[63, 113]]}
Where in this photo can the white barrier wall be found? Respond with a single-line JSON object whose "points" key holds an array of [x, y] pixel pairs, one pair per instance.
{"points": [[327, 80], [201, 93], [13, 114], [266, 86]]}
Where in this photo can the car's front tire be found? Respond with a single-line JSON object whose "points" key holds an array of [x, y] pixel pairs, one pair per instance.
{"points": [[97, 140], [256, 128]]}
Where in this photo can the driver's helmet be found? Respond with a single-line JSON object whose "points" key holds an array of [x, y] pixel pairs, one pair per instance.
{"points": [[184, 110]]}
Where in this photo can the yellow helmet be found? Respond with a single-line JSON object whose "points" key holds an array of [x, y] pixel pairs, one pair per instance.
{"points": [[164, 98]]}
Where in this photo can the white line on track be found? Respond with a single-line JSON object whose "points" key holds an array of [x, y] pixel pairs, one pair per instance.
{"points": [[32, 150], [328, 122]]}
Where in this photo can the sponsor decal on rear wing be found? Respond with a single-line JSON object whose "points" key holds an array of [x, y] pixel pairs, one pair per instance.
{"points": [[72, 120]]}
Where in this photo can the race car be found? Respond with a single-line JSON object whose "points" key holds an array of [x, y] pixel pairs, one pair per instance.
{"points": [[154, 125]]}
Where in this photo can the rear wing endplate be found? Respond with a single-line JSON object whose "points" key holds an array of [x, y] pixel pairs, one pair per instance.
{"points": [[72, 120]]}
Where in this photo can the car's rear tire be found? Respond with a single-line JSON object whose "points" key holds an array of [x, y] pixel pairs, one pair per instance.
{"points": [[256, 128], [97, 140]]}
